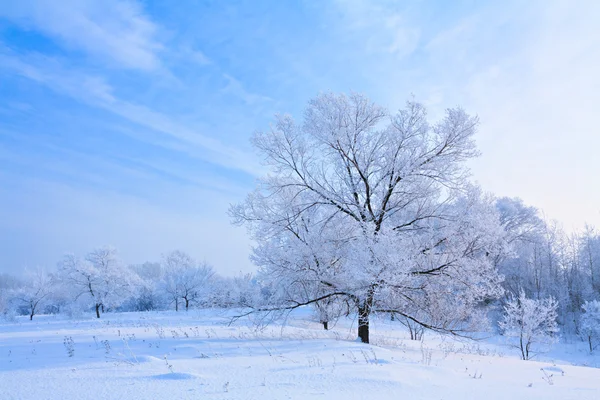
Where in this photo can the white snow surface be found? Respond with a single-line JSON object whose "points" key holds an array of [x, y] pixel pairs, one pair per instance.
{"points": [[198, 355]]}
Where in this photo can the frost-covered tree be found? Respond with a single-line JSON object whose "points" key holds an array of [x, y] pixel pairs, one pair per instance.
{"points": [[530, 322], [172, 264], [238, 291], [590, 323], [523, 229], [521, 222], [8, 285], [196, 284], [374, 208], [147, 295], [101, 278], [36, 291], [329, 310], [590, 257], [185, 279]]}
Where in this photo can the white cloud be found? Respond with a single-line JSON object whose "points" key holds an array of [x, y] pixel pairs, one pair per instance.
{"points": [[379, 26], [116, 31]]}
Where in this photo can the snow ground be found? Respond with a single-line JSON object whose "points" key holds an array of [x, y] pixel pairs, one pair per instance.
{"points": [[196, 355]]}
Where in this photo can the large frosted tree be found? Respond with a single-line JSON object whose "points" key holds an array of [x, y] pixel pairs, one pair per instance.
{"points": [[374, 209]]}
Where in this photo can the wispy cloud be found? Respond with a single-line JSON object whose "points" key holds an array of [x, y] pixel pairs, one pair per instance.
{"points": [[196, 56], [236, 88], [115, 31], [95, 91], [382, 26]]}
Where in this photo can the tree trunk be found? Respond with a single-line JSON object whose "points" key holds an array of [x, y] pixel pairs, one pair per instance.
{"points": [[364, 311], [522, 348], [187, 303], [97, 310], [176, 305], [363, 324], [31, 315], [325, 325]]}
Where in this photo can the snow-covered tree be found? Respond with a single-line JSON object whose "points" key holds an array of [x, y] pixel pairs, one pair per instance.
{"points": [[239, 291], [172, 264], [523, 229], [521, 222], [185, 279], [529, 323], [35, 292], [147, 295], [8, 285], [329, 310], [590, 323], [374, 208], [196, 284], [590, 257], [101, 278]]}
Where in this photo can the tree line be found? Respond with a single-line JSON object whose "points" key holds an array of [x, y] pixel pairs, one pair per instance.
{"points": [[101, 282]]}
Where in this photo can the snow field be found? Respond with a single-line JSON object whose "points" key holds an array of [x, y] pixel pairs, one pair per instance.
{"points": [[197, 355]]}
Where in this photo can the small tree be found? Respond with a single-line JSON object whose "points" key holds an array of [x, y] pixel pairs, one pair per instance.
{"points": [[328, 310], [8, 285], [171, 264], [239, 291], [35, 292], [530, 322], [185, 279], [590, 323], [196, 284], [101, 277], [148, 295]]}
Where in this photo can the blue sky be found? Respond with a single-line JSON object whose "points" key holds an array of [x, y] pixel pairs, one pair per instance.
{"points": [[128, 122]]}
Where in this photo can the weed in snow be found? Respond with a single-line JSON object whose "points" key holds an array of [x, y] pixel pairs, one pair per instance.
{"points": [[167, 364], [314, 361], [159, 331], [547, 377], [370, 358], [69, 344], [426, 354], [106, 345]]}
